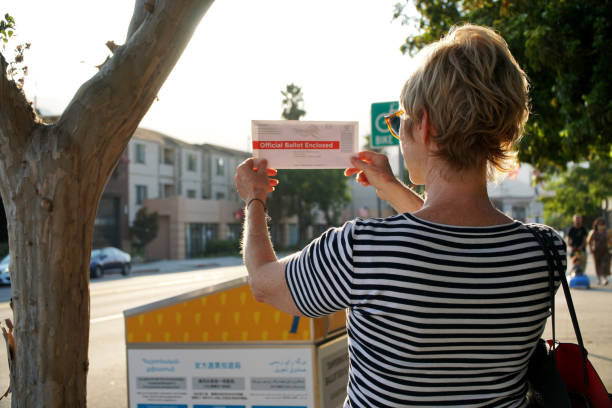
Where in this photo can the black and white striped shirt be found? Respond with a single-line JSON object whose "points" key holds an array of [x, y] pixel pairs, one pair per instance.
{"points": [[437, 315]]}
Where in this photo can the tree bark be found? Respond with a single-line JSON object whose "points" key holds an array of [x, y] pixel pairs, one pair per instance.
{"points": [[51, 181]]}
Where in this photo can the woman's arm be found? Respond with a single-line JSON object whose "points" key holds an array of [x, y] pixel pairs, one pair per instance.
{"points": [[266, 272], [590, 240], [373, 169]]}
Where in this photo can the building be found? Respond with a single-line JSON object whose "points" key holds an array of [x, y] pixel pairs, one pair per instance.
{"points": [[219, 165], [162, 167], [191, 187], [517, 196]]}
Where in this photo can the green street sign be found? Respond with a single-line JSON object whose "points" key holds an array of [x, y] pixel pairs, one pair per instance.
{"points": [[380, 133]]}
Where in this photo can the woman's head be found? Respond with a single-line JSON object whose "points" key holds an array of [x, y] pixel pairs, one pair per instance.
{"points": [[475, 95], [599, 224]]}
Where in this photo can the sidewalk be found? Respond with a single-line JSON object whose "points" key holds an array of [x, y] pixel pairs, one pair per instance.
{"points": [[182, 265]]}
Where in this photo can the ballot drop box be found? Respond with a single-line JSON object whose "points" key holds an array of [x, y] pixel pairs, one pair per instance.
{"points": [[216, 347]]}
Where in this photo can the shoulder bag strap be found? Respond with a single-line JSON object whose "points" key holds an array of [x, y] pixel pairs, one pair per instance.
{"points": [[546, 240]]}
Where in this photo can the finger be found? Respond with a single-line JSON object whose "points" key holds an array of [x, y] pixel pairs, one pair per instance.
{"points": [[261, 166], [366, 155], [271, 172], [273, 182], [350, 171], [248, 163], [358, 163], [371, 157], [363, 179]]}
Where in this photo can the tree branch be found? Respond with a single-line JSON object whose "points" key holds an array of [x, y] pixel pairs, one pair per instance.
{"points": [[16, 115], [106, 110], [142, 8]]}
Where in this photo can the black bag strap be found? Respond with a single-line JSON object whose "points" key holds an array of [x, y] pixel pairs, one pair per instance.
{"points": [[546, 240]]}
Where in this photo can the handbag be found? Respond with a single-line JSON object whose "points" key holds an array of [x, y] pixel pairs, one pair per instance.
{"points": [[559, 375]]}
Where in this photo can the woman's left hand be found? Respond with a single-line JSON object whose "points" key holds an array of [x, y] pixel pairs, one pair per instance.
{"points": [[253, 179]]}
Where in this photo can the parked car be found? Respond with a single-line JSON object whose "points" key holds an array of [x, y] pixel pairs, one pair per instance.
{"points": [[107, 259], [5, 277]]}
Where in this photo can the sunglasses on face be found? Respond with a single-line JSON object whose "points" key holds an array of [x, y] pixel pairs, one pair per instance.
{"points": [[393, 121]]}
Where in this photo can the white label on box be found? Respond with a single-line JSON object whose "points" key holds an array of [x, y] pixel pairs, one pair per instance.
{"points": [[221, 377], [294, 144]]}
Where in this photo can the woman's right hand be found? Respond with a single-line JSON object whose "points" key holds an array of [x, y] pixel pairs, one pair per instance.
{"points": [[372, 169]]}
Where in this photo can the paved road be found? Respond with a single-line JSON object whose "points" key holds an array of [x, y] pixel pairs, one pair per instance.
{"points": [[115, 293]]}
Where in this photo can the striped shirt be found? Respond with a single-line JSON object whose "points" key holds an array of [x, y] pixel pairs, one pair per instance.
{"points": [[437, 315]]}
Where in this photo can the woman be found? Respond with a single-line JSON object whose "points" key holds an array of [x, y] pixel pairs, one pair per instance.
{"points": [[600, 243], [446, 300]]}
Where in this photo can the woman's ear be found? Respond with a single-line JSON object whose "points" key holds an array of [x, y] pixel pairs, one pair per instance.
{"points": [[426, 130]]}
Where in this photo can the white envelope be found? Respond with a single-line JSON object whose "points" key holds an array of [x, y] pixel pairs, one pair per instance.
{"points": [[294, 144]]}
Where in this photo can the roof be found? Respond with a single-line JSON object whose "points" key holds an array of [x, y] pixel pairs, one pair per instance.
{"points": [[222, 149], [154, 136]]}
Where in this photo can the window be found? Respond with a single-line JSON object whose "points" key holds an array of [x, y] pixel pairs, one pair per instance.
{"points": [[191, 194], [519, 213], [140, 153], [220, 196], [141, 194], [220, 166], [191, 162], [168, 156], [168, 190]]}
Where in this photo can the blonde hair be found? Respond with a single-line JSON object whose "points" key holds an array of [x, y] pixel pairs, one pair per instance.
{"points": [[476, 97]]}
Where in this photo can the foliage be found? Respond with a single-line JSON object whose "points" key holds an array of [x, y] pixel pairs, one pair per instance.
{"points": [[144, 229], [563, 46], [7, 27], [15, 71], [580, 190], [222, 247], [301, 192], [293, 102]]}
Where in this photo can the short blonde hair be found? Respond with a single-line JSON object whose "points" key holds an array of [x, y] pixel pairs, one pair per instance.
{"points": [[476, 96]]}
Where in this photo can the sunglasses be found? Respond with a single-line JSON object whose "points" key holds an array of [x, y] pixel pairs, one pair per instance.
{"points": [[393, 121]]}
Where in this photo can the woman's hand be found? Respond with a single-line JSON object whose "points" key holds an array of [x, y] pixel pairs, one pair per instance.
{"points": [[253, 179], [372, 169]]}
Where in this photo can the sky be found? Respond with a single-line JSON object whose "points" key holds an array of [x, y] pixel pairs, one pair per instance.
{"points": [[344, 54]]}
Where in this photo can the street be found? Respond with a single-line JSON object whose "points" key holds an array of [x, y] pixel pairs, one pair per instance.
{"points": [[113, 294], [110, 296]]}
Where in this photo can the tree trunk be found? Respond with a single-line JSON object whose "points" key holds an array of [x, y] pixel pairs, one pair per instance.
{"points": [[50, 216], [51, 181]]}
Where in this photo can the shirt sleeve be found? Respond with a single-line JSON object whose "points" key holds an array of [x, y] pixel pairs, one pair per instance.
{"points": [[320, 276]]}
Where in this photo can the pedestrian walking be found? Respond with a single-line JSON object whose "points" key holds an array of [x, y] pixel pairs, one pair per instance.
{"points": [[577, 240], [600, 243], [446, 300]]}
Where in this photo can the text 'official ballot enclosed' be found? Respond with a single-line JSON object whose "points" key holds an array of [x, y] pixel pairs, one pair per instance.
{"points": [[292, 144]]}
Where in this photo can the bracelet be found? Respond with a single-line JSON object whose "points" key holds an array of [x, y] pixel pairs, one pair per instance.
{"points": [[257, 199]]}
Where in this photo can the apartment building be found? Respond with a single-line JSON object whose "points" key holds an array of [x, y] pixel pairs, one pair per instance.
{"points": [[191, 187], [517, 196]]}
